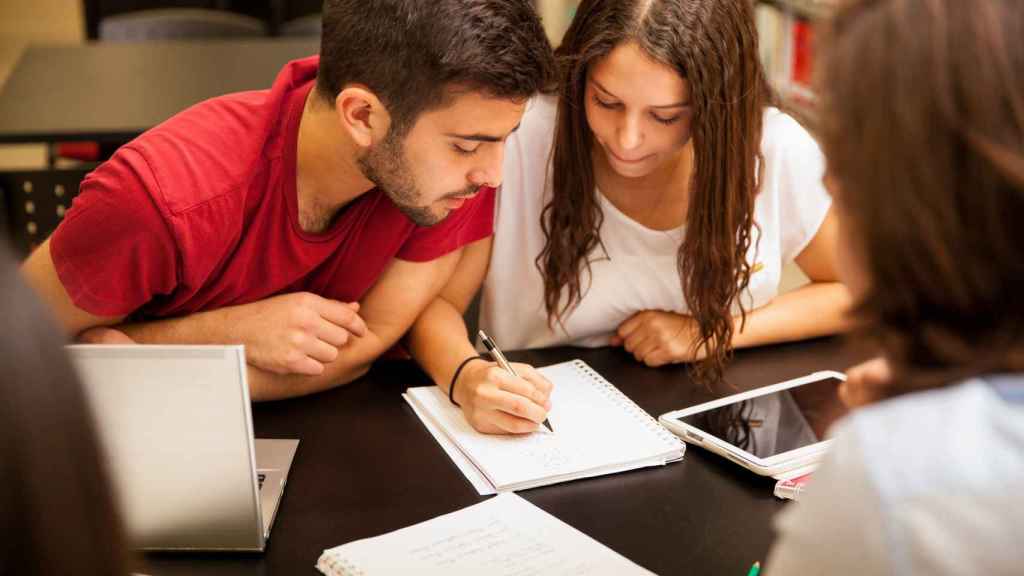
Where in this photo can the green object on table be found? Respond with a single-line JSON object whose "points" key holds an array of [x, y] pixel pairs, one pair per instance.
{"points": [[755, 569]]}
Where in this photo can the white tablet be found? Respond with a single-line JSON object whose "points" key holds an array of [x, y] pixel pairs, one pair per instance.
{"points": [[777, 430]]}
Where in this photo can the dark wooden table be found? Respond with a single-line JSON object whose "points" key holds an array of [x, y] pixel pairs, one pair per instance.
{"points": [[115, 91], [367, 466]]}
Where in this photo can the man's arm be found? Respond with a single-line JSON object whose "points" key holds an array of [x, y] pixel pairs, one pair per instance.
{"points": [[389, 308], [296, 333], [493, 400], [401, 293], [41, 275], [293, 333]]}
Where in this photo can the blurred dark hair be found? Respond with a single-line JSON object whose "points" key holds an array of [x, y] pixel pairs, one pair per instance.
{"points": [[713, 45], [413, 53], [922, 123], [57, 512]]}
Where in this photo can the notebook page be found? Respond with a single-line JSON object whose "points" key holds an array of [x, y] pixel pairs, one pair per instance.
{"points": [[481, 484], [594, 433], [503, 536]]}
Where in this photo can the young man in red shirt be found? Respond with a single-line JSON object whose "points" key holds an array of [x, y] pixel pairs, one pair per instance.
{"points": [[314, 221]]}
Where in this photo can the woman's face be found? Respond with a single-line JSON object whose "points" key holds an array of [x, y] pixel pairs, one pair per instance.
{"points": [[638, 110]]}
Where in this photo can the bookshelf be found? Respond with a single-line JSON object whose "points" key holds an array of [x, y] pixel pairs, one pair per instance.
{"points": [[786, 43], [813, 9]]}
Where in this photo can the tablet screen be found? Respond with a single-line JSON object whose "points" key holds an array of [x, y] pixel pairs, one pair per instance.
{"points": [[775, 423]]}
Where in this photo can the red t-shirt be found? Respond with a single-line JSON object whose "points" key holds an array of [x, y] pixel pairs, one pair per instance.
{"points": [[201, 212]]}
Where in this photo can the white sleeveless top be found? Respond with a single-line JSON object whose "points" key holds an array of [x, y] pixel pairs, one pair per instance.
{"points": [[637, 270]]}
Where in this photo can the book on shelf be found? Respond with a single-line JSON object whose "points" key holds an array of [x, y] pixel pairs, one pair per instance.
{"points": [[786, 47]]}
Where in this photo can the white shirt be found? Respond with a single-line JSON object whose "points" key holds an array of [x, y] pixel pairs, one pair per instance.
{"points": [[929, 483], [638, 271]]}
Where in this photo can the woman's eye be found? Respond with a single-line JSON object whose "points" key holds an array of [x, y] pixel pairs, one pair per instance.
{"points": [[666, 121], [603, 104]]}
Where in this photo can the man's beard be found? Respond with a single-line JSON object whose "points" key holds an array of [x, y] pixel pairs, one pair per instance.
{"points": [[385, 165]]}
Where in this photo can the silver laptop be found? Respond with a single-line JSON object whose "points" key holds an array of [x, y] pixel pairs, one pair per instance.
{"points": [[176, 425]]}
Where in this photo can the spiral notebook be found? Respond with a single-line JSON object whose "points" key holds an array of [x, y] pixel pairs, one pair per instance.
{"points": [[502, 536], [598, 430]]}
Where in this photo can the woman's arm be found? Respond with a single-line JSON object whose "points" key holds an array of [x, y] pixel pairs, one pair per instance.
{"points": [[656, 337], [493, 400], [817, 309]]}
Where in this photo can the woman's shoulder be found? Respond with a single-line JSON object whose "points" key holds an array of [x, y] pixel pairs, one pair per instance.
{"points": [[939, 434], [782, 135], [528, 150], [537, 127]]}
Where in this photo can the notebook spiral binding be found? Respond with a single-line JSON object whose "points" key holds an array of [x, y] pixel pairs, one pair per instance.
{"points": [[342, 567], [616, 395]]}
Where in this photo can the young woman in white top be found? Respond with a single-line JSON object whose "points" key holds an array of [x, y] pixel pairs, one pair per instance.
{"points": [[651, 205], [923, 127]]}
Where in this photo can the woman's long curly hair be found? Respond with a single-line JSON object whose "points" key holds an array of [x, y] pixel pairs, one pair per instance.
{"points": [[713, 45]]}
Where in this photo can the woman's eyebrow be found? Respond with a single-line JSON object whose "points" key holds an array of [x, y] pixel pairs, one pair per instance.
{"points": [[658, 107]]}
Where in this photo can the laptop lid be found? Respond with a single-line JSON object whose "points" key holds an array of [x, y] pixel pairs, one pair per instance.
{"points": [[176, 425]]}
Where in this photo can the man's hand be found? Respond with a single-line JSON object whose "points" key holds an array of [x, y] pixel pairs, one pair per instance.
{"points": [[657, 338], [104, 335], [866, 383], [296, 333], [496, 402]]}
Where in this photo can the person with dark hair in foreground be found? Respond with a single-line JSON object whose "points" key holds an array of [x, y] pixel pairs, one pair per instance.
{"points": [[923, 128], [57, 512], [313, 221]]}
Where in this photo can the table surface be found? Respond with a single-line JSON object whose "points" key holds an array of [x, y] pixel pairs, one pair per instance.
{"points": [[367, 466], [115, 91]]}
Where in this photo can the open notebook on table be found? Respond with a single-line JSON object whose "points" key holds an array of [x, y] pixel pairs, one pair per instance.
{"points": [[503, 536], [598, 430]]}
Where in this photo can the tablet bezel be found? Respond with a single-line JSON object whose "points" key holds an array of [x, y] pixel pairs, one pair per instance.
{"points": [[773, 465]]}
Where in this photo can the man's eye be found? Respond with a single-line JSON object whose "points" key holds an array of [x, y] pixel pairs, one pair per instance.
{"points": [[465, 151]]}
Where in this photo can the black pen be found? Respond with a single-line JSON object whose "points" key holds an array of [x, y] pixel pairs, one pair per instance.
{"points": [[500, 359]]}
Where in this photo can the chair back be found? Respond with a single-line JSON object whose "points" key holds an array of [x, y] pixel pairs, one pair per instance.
{"points": [[34, 203]]}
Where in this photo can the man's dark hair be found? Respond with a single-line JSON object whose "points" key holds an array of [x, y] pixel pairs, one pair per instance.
{"points": [[411, 53]]}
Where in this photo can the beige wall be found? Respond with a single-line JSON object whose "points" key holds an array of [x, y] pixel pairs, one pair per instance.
{"points": [[33, 21], [45, 21], [48, 20]]}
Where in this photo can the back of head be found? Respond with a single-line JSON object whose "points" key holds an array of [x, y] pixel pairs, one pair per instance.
{"points": [[923, 127], [57, 514], [411, 53]]}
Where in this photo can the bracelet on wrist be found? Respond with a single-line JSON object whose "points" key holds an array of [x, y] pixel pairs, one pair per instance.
{"points": [[455, 377]]}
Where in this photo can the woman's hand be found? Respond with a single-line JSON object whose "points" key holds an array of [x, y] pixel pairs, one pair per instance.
{"points": [[866, 383], [496, 402], [657, 338]]}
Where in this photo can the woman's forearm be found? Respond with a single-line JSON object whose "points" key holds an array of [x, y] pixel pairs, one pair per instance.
{"points": [[817, 309]]}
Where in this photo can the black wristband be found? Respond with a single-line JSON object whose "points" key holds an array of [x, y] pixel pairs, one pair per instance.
{"points": [[451, 387]]}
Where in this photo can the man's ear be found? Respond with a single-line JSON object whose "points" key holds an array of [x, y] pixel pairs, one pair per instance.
{"points": [[362, 115]]}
